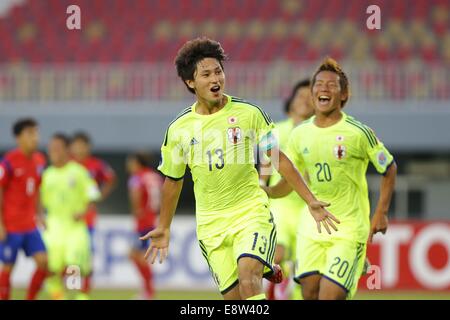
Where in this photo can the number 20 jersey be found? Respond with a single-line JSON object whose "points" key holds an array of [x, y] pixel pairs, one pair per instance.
{"points": [[335, 161]]}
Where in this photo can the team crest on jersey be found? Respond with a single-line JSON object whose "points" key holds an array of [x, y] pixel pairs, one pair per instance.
{"points": [[234, 134], [382, 158], [232, 120], [340, 152], [339, 138]]}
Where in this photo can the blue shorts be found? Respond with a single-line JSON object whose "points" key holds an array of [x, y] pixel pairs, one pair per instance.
{"points": [[31, 242], [142, 245]]}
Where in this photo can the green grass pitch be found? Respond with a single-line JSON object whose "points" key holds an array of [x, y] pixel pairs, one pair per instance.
{"points": [[127, 294]]}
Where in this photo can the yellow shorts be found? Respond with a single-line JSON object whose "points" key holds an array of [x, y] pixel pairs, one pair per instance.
{"points": [[287, 219], [68, 246], [339, 260], [256, 239]]}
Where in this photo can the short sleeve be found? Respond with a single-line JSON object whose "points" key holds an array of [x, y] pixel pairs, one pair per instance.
{"points": [[173, 163], [266, 139], [5, 172], [91, 189], [294, 154], [377, 153]]}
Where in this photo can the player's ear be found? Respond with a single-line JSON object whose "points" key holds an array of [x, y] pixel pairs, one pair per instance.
{"points": [[190, 83], [344, 96]]}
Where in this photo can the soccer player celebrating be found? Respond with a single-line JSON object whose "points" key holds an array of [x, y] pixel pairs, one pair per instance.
{"points": [[144, 190], [102, 173], [298, 107], [66, 191], [333, 149], [20, 176], [216, 137]]}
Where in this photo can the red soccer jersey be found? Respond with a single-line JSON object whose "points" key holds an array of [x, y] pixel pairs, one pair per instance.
{"points": [[149, 183], [102, 173], [20, 177]]}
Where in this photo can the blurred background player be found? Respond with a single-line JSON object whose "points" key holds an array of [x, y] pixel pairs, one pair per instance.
{"points": [[103, 175], [286, 211], [67, 191], [144, 191], [334, 150], [20, 177]]}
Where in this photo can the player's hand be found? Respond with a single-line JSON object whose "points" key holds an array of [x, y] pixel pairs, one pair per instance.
{"points": [[41, 222], [159, 244], [3, 233], [379, 223], [322, 216]]}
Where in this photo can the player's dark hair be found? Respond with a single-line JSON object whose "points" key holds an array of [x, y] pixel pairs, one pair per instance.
{"points": [[329, 64], [305, 83], [23, 124], [62, 137], [194, 51], [144, 159], [81, 136]]}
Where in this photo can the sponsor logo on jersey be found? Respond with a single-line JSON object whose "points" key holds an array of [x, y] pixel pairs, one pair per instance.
{"points": [[340, 152], [193, 141], [232, 120], [305, 151], [382, 158], [234, 134]]}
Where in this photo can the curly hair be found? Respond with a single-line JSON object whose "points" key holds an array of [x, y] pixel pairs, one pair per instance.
{"points": [[194, 51], [329, 64]]}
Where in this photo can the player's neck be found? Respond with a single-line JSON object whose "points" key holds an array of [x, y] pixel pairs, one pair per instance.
{"points": [[324, 120], [298, 119], [203, 107], [81, 158], [61, 163], [25, 151]]}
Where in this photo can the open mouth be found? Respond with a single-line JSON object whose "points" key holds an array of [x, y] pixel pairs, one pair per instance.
{"points": [[324, 99], [215, 89]]}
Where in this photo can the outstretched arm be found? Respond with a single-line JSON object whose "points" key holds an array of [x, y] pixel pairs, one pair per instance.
{"points": [[296, 182], [160, 236], [379, 221]]}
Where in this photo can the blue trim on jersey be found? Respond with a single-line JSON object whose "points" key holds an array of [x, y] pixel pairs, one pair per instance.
{"points": [[234, 284], [305, 274], [387, 168], [257, 258], [8, 166], [336, 283], [175, 179]]}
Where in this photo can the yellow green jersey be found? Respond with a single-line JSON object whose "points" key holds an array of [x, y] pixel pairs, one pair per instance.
{"points": [[335, 161], [220, 151], [282, 133], [66, 191]]}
